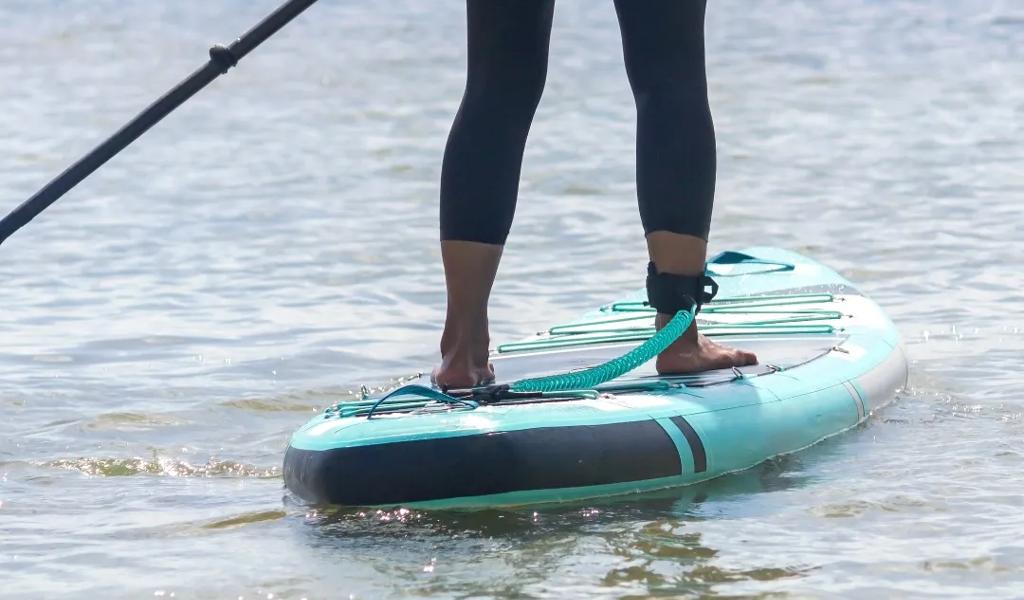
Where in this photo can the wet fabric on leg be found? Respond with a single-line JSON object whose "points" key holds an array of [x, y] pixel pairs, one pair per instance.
{"points": [[663, 45], [507, 66]]}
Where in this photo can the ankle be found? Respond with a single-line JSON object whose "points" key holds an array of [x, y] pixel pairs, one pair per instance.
{"points": [[466, 344], [465, 341], [689, 337]]}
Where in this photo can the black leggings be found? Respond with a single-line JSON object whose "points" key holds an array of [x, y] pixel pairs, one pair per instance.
{"points": [[663, 44]]}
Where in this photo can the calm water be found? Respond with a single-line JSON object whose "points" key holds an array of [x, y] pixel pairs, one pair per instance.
{"points": [[272, 246]]}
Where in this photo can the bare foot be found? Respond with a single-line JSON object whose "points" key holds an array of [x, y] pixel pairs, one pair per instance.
{"points": [[469, 269], [457, 374], [693, 353], [464, 362]]}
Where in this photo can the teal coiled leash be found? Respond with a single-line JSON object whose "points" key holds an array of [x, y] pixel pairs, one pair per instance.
{"points": [[594, 376], [580, 384]]}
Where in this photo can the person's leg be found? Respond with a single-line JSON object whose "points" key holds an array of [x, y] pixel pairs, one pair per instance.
{"points": [[663, 44], [508, 52]]}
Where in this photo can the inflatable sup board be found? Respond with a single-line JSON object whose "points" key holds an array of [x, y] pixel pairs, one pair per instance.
{"points": [[828, 357]]}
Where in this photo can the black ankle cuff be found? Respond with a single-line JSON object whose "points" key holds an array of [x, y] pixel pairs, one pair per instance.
{"points": [[669, 293]]}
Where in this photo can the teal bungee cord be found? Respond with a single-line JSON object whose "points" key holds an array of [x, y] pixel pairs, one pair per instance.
{"points": [[594, 376], [786, 317], [420, 392]]}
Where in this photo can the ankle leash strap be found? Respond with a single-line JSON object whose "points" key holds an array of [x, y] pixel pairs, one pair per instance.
{"points": [[669, 293]]}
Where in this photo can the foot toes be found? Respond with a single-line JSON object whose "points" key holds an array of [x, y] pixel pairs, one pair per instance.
{"points": [[727, 360], [737, 358]]}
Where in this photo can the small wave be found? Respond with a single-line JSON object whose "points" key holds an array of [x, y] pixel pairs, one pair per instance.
{"points": [[314, 400], [246, 519], [1008, 20], [122, 421], [270, 405], [163, 466]]}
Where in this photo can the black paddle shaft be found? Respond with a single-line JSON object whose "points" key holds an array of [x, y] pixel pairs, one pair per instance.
{"points": [[221, 59]]}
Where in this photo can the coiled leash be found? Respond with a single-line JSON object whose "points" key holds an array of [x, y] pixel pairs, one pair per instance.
{"points": [[668, 293], [679, 295]]}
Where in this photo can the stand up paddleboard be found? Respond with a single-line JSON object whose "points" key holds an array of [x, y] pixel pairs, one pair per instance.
{"points": [[828, 357]]}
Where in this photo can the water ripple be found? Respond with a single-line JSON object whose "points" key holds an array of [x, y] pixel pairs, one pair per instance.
{"points": [[270, 249]]}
